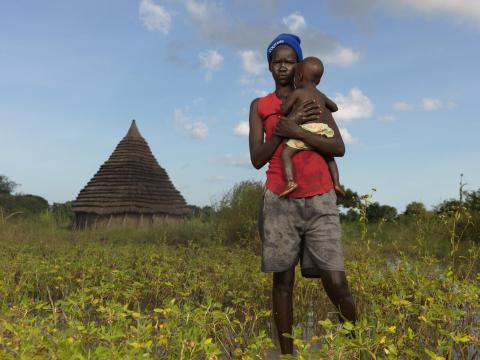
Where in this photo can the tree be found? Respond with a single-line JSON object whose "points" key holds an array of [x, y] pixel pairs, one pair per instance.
{"points": [[472, 200], [348, 201], [236, 215], [6, 186], [350, 216], [415, 209], [31, 204], [376, 212], [447, 207]]}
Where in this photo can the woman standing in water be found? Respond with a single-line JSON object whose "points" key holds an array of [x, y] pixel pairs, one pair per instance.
{"points": [[306, 224]]}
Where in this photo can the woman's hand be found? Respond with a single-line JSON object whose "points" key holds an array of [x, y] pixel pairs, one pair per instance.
{"points": [[309, 110], [287, 128]]}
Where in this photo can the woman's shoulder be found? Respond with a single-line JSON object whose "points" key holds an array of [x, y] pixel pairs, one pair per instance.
{"points": [[268, 104], [254, 103]]}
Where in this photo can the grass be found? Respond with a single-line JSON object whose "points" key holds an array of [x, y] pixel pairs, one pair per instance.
{"points": [[195, 290]]}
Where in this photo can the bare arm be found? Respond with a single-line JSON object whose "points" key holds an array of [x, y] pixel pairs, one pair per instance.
{"points": [[325, 146], [330, 104], [287, 105], [332, 147], [261, 151]]}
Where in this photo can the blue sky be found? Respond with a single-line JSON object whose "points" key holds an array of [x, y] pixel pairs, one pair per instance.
{"points": [[73, 74]]}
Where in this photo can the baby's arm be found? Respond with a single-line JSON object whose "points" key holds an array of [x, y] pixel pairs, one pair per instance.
{"points": [[330, 104], [288, 104]]}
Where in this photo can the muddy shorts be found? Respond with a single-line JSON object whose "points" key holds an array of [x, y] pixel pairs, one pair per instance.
{"points": [[307, 229]]}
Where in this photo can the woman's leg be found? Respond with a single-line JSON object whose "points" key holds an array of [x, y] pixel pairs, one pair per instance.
{"points": [[283, 307], [336, 287]]}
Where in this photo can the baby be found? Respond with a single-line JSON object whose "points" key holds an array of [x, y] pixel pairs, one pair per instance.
{"points": [[307, 76]]}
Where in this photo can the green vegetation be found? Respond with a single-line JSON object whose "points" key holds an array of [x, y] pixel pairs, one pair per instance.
{"points": [[194, 289], [15, 204]]}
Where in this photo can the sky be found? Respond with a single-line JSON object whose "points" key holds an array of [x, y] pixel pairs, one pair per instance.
{"points": [[73, 75]]}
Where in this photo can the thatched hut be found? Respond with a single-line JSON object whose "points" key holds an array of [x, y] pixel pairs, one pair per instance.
{"points": [[130, 188]]}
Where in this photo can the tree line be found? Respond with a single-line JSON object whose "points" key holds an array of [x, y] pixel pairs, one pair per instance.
{"points": [[27, 204], [11, 202], [469, 200]]}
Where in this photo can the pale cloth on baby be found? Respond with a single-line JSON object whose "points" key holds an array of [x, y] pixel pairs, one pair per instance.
{"points": [[316, 128]]}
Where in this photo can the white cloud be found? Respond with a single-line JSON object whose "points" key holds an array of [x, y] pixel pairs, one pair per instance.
{"points": [[199, 130], [402, 106], [346, 136], [459, 11], [295, 22], [431, 104], [211, 60], [220, 28], [355, 105], [154, 16], [253, 62], [242, 129], [196, 9], [195, 128], [341, 56]]}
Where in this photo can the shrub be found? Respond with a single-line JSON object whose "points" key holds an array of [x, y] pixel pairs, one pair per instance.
{"points": [[236, 219], [415, 210], [29, 204]]}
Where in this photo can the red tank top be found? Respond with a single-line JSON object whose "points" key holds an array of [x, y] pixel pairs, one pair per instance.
{"points": [[310, 168]]}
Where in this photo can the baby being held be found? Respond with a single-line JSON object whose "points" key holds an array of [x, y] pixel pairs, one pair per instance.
{"points": [[307, 76]]}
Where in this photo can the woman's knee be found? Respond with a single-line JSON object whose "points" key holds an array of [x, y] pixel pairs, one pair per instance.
{"points": [[336, 282], [283, 282]]}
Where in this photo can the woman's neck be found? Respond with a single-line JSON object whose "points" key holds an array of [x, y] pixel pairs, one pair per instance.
{"points": [[282, 92]]}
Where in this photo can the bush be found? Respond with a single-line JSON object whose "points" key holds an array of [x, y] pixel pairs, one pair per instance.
{"points": [[63, 213], [472, 200], [236, 219], [6, 186], [29, 204], [376, 212], [350, 216], [415, 210]]}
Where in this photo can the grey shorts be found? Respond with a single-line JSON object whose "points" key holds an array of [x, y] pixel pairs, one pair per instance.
{"points": [[307, 229]]}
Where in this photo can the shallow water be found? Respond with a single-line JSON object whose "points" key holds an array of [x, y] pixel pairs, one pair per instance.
{"points": [[309, 330], [309, 327]]}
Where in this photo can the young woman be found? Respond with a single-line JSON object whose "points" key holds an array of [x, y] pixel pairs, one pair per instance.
{"points": [[306, 224]]}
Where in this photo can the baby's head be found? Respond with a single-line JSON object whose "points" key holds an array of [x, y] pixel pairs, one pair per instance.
{"points": [[308, 71]]}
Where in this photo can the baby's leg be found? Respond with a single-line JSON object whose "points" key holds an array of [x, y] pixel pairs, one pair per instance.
{"points": [[287, 154], [332, 166]]}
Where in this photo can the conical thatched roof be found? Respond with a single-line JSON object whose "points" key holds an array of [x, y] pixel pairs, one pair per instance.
{"points": [[131, 181]]}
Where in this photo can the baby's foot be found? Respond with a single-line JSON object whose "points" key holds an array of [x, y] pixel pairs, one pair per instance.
{"points": [[339, 190], [291, 185]]}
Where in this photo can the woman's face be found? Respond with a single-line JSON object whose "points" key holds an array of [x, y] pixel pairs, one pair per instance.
{"points": [[282, 65]]}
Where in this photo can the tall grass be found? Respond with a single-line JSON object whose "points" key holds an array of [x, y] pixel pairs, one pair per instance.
{"points": [[194, 290]]}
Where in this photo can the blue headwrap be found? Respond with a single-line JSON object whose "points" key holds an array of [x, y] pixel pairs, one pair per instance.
{"points": [[289, 39]]}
